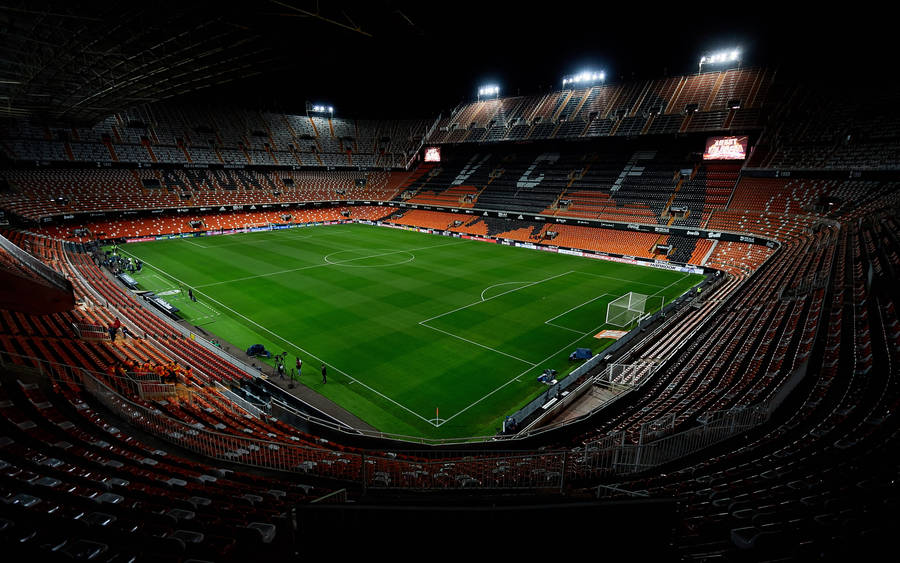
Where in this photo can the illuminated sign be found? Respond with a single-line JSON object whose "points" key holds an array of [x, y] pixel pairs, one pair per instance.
{"points": [[432, 154], [726, 148]]}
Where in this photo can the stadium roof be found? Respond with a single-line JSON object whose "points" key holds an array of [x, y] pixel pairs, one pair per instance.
{"points": [[81, 61]]}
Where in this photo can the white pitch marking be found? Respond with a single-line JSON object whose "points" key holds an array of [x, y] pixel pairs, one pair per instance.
{"points": [[499, 284], [260, 240], [164, 282], [516, 378], [576, 307], [562, 327], [478, 344], [495, 296], [673, 283], [308, 353], [189, 241], [617, 279], [320, 265], [342, 262]]}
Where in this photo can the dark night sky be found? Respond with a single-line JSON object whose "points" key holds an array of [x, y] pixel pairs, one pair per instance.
{"points": [[427, 57]]}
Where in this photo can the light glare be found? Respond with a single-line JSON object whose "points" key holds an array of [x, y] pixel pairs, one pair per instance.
{"points": [[491, 90], [721, 57], [585, 77]]}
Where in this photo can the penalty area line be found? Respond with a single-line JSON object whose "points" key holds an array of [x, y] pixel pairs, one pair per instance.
{"points": [[482, 300], [498, 285], [478, 344], [516, 378]]}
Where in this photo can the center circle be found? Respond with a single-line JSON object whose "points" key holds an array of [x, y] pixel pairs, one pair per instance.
{"points": [[357, 258]]}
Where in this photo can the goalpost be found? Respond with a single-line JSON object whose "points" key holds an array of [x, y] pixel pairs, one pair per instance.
{"points": [[625, 310]]}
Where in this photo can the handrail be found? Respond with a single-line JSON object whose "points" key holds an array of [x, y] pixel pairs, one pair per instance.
{"points": [[33, 264]]}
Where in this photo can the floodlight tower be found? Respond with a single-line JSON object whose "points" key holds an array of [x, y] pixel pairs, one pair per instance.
{"points": [[488, 92], [722, 59], [321, 110], [584, 78]]}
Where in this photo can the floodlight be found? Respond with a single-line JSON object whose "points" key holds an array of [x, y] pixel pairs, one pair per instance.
{"points": [[731, 56], [585, 77], [489, 90], [319, 108]]}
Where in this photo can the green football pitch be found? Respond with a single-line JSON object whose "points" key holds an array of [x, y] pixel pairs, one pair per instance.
{"points": [[423, 335]]}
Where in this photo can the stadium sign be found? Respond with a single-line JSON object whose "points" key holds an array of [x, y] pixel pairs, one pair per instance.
{"points": [[726, 148]]}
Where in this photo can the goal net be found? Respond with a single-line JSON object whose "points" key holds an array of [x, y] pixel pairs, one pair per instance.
{"points": [[625, 310]]}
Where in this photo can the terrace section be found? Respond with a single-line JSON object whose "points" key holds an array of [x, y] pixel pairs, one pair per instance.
{"points": [[217, 136], [51, 192], [728, 100], [861, 131], [28, 284], [663, 183]]}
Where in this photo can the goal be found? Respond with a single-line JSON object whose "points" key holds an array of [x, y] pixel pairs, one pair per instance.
{"points": [[625, 310]]}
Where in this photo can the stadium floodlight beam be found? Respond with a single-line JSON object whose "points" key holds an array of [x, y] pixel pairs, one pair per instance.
{"points": [[320, 108], [489, 91], [720, 57], [584, 78]]}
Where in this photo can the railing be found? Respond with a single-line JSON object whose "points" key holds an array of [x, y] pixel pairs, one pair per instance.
{"points": [[42, 270], [239, 401], [436, 469], [87, 331], [159, 344], [486, 469], [552, 395]]}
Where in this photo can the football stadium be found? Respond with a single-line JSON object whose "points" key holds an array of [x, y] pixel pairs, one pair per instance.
{"points": [[277, 276]]}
